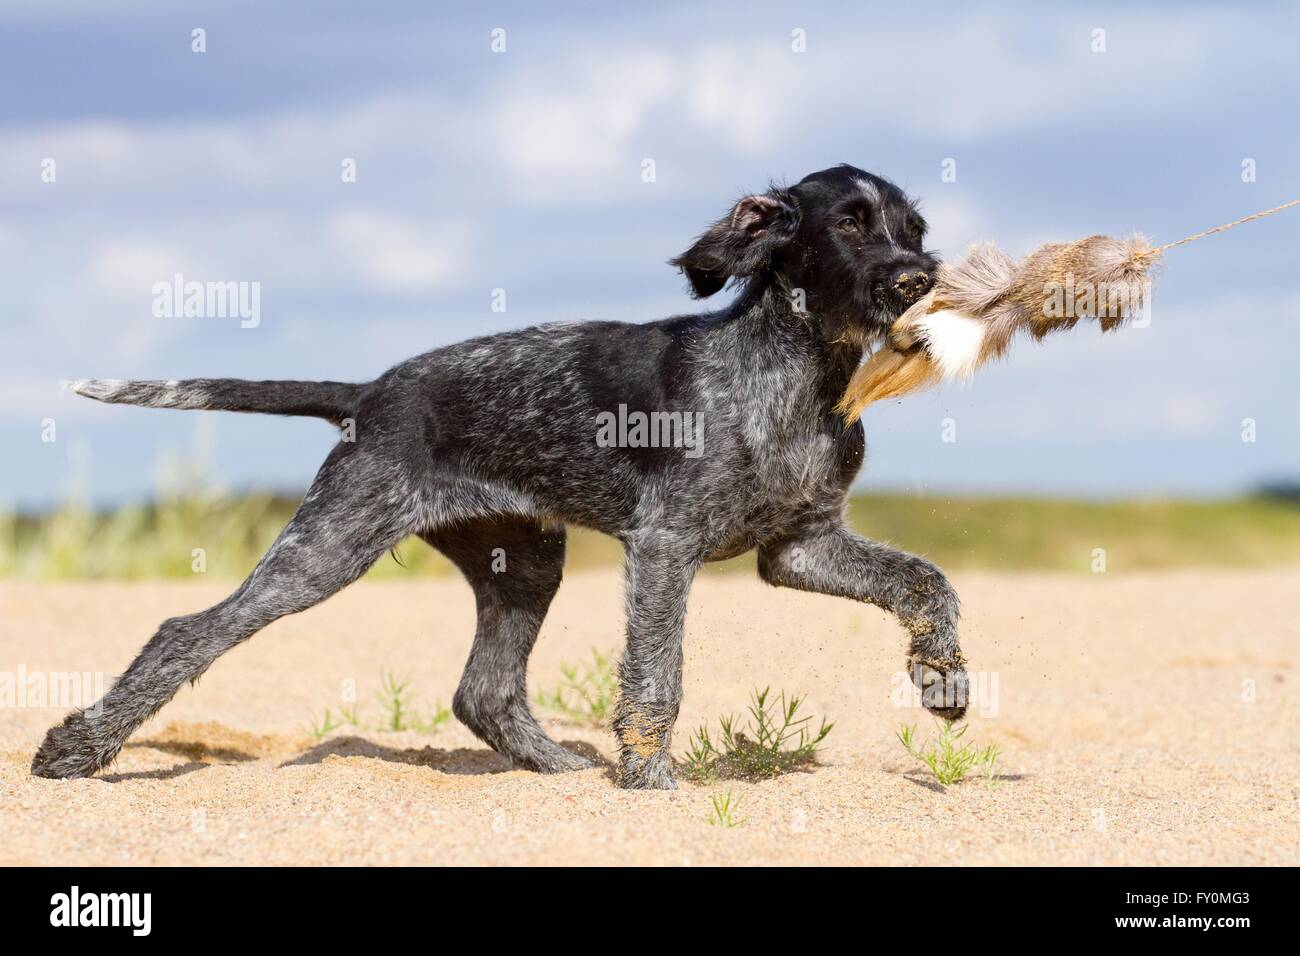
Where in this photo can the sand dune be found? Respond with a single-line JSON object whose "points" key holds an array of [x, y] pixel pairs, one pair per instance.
{"points": [[1145, 719]]}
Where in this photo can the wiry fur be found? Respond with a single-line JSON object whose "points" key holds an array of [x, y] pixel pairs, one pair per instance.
{"points": [[976, 306], [487, 448]]}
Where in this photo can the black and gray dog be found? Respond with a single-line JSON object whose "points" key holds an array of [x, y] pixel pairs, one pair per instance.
{"points": [[488, 448]]}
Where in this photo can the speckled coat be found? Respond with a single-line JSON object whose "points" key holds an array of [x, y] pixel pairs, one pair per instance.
{"points": [[488, 448]]}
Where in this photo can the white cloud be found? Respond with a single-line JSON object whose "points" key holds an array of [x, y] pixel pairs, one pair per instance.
{"points": [[579, 119], [956, 221], [1187, 413], [396, 254], [126, 268], [575, 129], [738, 94]]}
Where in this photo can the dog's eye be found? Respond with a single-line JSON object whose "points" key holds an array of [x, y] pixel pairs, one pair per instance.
{"points": [[848, 224], [916, 234]]}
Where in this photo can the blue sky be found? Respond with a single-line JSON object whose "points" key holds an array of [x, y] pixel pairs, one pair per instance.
{"points": [[521, 170]]}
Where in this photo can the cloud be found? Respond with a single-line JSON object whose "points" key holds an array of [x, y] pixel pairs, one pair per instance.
{"points": [[986, 75], [574, 129], [1187, 413], [398, 254], [956, 221], [477, 170], [126, 267], [581, 118]]}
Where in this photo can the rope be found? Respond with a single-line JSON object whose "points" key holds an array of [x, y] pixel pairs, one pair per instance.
{"points": [[1209, 232]]}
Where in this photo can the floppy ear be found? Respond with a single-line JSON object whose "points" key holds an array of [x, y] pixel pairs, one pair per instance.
{"points": [[741, 243]]}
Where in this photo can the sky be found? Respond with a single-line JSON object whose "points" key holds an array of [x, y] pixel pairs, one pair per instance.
{"points": [[523, 169]]}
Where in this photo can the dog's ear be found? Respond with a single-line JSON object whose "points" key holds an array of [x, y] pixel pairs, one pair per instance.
{"points": [[741, 243]]}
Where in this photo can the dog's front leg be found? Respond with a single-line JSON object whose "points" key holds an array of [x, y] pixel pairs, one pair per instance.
{"points": [[830, 558], [659, 571]]}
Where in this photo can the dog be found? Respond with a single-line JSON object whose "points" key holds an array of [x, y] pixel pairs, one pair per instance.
{"points": [[488, 449]]}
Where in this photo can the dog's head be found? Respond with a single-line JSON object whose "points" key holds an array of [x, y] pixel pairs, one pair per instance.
{"points": [[849, 240]]}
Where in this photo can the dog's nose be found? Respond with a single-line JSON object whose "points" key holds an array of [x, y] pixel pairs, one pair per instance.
{"points": [[911, 283]]}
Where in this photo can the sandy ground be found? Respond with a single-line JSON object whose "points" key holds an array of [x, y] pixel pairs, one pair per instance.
{"points": [[1144, 720]]}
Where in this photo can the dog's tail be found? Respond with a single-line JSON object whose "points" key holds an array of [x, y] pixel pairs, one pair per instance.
{"points": [[333, 401]]}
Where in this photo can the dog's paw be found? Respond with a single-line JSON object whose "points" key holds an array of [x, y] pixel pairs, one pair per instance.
{"points": [[644, 773], [555, 759], [945, 688], [69, 750], [643, 735]]}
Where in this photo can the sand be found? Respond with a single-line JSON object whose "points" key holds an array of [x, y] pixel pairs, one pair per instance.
{"points": [[1144, 719]]}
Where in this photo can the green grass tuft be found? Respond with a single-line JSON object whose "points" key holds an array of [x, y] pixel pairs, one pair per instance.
{"points": [[948, 762], [587, 693], [724, 809], [400, 713], [775, 740], [320, 729]]}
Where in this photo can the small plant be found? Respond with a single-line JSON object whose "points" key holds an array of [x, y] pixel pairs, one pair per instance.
{"points": [[394, 697], [775, 741], [351, 715], [440, 715], [989, 760], [724, 809], [949, 762], [587, 693], [319, 729]]}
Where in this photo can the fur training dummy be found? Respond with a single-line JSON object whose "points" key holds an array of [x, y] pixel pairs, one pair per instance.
{"points": [[978, 305]]}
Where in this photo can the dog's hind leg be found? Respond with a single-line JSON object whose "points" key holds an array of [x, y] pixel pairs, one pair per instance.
{"points": [[351, 515], [514, 565]]}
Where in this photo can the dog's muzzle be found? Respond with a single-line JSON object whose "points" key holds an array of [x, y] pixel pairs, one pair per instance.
{"points": [[902, 287], [910, 283]]}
